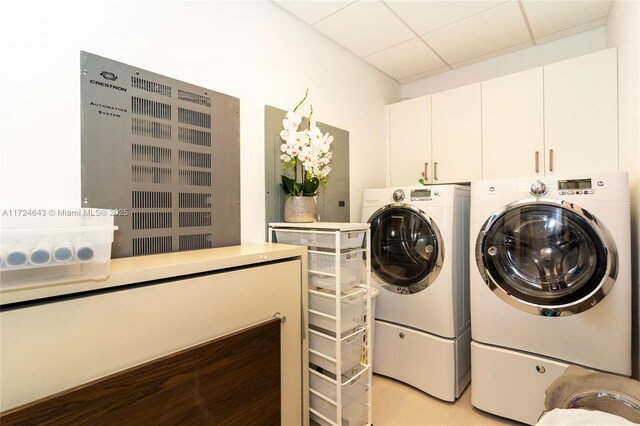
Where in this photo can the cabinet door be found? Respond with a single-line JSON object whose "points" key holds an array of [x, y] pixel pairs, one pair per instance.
{"points": [[108, 332], [581, 114], [410, 141], [513, 126], [456, 135]]}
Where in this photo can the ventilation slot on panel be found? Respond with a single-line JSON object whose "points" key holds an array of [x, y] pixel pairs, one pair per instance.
{"points": [[150, 154], [193, 177], [189, 219], [150, 129], [152, 245], [149, 108], [193, 98], [194, 137], [150, 86], [151, 220], [191, 200], [195, 118], [149, 174], [194, 159], [150, 200], [194, 242]]}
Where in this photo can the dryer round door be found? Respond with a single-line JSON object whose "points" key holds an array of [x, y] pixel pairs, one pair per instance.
{"points": [[406, 248], [547, 257]]}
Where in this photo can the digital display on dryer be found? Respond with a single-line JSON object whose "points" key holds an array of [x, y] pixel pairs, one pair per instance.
{"points": [[574, 184], [420, 193]]}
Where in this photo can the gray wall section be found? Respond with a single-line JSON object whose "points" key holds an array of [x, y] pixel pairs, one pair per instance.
{"points": [[333, 200], [167, 159]]}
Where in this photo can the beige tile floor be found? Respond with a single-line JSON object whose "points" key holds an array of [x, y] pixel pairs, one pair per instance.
{"points": [[397, 404]]}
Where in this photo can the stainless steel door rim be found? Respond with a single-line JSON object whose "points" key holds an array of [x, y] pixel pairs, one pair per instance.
{"points": [[407, 256], [554, 258]]}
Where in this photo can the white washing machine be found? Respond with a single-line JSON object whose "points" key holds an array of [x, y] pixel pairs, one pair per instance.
{"points": [[550, 286], [419, 262]]}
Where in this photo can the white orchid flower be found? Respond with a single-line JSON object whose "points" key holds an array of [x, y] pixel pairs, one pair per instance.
{"points": [[301, 139], [294, 117], [292, 121], [310, 148], [315, 136]]}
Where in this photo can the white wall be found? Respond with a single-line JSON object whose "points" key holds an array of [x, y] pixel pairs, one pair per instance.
{"points": [[253, 50], [623, 32], [547, 53]]}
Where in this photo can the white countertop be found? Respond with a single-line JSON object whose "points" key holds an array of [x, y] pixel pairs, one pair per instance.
{"points": [[140, 269]]}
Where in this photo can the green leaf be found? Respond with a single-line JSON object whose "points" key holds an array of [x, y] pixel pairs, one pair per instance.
{"points": [[288, 185], [311, 186]]}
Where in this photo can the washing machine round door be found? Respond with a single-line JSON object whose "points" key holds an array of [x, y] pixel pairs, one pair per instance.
{"points": [[547, 257], [406, 248]]}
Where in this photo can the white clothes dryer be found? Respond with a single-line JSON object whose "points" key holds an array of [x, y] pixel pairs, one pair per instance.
{"points": [[419, 262], [550, 286]]}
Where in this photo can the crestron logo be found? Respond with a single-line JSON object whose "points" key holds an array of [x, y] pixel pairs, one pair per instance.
{"points": [[109, 76]]}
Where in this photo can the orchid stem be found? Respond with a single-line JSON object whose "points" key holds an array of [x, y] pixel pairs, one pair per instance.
{"points": [[303, 99]]}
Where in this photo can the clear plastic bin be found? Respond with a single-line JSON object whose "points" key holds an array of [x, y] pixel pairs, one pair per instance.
{"points": [[351, 386], [353, 309], [352, 348], [55, 248], [350, 269], [348, 240], [354, 411]]}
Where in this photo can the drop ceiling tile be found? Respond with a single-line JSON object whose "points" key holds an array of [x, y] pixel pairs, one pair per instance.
{"points": [[312, 11], [365, 27], [425, 16], [492, 30], [406, 59], [548, 17]]}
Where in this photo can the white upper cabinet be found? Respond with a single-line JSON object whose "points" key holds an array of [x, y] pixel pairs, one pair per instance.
{"points": [[581, 114], [456, 135], [513, 126], [410, 141], [559, 119]]}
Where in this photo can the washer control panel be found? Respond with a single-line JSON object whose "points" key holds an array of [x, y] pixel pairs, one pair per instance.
{"points": [[577, 192], [422, 194], [543, 187], [576, 187]]}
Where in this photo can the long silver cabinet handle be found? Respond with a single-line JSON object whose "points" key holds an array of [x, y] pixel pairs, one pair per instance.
{"points": [[435, 171], [426, 172], [537, 162], [550, 160]]}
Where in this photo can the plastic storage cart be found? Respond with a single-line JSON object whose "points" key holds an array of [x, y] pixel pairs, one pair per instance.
{"points": [[340, 318]]}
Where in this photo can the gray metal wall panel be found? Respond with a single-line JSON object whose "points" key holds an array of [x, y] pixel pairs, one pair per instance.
{"points": [[334, 200], [164, 151]]}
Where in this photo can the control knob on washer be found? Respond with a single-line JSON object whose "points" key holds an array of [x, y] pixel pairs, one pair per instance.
{"points": [[538, 188], [398, 195]]}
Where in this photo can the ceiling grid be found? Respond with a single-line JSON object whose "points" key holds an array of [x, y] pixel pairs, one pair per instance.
{"points": [[413, 39]]}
